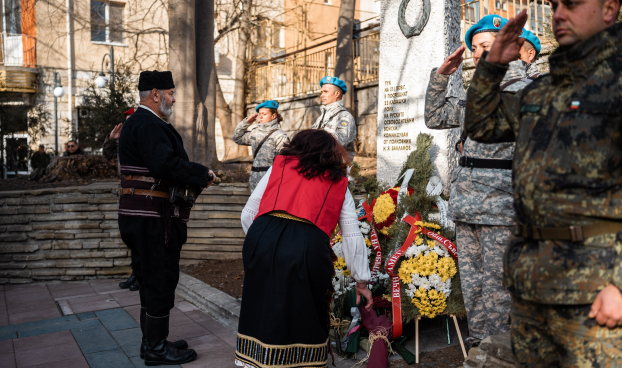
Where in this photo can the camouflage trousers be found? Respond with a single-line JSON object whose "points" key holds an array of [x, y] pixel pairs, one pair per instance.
{"points": [[480, 258], [255, 178], [550, 336]]}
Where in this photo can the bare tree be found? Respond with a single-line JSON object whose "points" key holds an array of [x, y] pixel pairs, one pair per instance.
{"points": [[191, 60], [344, 61]]}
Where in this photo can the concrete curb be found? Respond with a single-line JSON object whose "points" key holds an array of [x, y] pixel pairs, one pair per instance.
{"points": [[221, 306]]}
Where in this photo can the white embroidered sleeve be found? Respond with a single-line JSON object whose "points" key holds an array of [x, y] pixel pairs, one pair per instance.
{"points": [[252, 205], [353, 245]]}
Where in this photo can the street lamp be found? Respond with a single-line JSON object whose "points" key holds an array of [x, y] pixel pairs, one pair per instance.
{"points": [[101, 81], [58, 93]]}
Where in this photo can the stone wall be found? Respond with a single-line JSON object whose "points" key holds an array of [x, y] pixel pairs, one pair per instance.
{"points": [[72, 233], [301, 112]]}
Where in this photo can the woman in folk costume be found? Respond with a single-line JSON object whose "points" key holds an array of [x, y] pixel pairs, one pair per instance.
{"points": [[266, 138], [288, 220]]}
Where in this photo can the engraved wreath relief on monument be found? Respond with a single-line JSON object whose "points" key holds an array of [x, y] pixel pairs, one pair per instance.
{"points": [[415, 30]]}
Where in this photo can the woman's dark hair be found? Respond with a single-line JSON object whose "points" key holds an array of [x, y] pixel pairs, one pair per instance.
{"points": [[279, 118], [319, 154]]}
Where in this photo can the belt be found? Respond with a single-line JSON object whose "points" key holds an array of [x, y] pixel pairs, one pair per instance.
{"points": [[260, 168], [144, 192], [485, 163], [572, 233], [285, 215], [148, 179]]}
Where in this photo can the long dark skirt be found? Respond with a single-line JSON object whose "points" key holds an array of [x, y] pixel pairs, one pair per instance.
{"points": [[284, 320]]}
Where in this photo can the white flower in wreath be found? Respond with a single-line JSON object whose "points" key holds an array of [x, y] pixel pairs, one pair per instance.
{"points": [[425, 283], [441, 251], [436, 281], [365, 227]]}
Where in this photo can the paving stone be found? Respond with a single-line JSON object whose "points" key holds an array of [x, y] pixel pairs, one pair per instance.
{"points": [[66, 293], [178, 318], [94, 339], [78, 362], [141, 363], [86, 316], [88, 299], [219, 359], [42, 341], [58, 328], [129, 340], [134, 311], [7, 335], [127, 299], [94, 306], [47, 303], [7, 360], [34, 315], [109, 359], [207, 344], [38, 324], [116, 319], [6, 347], [47, 355], [186, 331]]}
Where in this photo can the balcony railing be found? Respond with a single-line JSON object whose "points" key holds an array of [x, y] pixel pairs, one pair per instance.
{"points": [[300, 73], [539, 15], [18, 50]]}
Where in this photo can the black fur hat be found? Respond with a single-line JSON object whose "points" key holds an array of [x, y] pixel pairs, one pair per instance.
{"points": [[154, 79]]}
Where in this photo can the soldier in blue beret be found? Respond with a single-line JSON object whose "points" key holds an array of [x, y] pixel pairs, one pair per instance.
{"points": [[529, 52], [481, 200], [266, 138], [334, 117]]}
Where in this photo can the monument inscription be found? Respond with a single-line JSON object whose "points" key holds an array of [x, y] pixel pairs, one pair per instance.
{"points": [[405, 63]]}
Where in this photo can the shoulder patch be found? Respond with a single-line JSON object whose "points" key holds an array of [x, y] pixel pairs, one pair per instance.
{"points": [[344, 123]]}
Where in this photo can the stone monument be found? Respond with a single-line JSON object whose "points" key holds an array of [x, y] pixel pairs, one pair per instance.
{"points": [[415, 36]]}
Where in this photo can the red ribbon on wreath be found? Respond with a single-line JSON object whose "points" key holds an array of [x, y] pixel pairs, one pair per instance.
{"points": [[396, 292], [373, 236]]}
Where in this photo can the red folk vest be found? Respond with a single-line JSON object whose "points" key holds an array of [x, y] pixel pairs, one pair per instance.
{"points": [[317, 200]]}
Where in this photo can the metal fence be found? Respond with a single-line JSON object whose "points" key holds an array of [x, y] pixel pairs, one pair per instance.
{"points": [[300, 73], [18, 50], [539, 14]]}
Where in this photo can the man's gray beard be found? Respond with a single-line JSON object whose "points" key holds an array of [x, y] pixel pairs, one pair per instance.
{"points": [[166, 109]]}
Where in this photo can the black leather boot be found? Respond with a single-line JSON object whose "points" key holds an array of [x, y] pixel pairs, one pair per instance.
{"points": [[127, 283], [135, 286], [179, 345], [159, 351]]}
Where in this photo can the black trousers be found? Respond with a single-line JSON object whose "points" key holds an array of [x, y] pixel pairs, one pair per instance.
{"points": [[155, 264]]}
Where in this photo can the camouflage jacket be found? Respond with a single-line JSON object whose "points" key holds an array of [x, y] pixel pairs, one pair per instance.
{"points": [[271, 147], [478, 196], [336, 120], [567, 167], [110, 149], [532, 70]]}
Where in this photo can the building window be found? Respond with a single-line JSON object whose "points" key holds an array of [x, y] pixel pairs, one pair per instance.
{"points": [[106, 22]]}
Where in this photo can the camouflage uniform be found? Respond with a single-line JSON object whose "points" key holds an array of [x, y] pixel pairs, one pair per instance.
{"points": [[567, 171], [336, 120], [532, 70], [271, 147], [482, 206]]}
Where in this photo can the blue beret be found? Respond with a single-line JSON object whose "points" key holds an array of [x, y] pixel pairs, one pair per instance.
{"points": [[489, 23], [270, 104], [335, 81], [532, 39]]}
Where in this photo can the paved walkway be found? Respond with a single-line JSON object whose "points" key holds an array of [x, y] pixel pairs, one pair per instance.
{"points": [[95, 324]]}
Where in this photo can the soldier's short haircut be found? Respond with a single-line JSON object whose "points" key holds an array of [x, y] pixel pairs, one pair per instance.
{"points": [[528, 45]]}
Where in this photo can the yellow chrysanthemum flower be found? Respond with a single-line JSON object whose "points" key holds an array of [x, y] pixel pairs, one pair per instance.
{"points": [[384, 208]]}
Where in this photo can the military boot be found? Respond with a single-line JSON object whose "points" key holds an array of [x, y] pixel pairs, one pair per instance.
{"points": [[159, 351], [179, 345], [129, 282]]}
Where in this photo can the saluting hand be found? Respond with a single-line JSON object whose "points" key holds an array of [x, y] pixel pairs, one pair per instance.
{"points": [[251, 119], [506, 47], [116, 131], [452, 63], [607, 308]]}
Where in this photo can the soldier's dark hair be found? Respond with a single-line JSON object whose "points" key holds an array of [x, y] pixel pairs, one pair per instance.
{"points": [[279, 117], [73, 140], [319, 154]]}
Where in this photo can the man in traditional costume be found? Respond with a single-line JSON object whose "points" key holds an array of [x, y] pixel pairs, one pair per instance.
{"points": [[334, 117], [289, 219], [481, 191], [266, 138], [153, 161]]}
